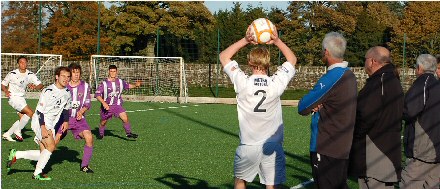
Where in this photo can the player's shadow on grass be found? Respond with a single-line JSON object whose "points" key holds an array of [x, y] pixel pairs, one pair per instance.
{"points": [[13, 171], [61, 154], [108, 133], [181, 182]]}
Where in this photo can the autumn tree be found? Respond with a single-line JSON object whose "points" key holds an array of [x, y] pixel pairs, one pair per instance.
{"points": [[133, 25], [72, 30], [20, 22], [420, 24]]}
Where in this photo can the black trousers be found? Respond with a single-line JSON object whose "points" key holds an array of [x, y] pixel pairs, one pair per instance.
{"points": [[328, 172]]}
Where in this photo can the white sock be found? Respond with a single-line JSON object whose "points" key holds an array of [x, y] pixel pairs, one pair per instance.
{"points": [[23, 121], [30, 155], [13, 128], [42, 161]]}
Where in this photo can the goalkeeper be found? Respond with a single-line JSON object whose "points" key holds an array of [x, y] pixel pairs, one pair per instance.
{"points": [[109, 93]]}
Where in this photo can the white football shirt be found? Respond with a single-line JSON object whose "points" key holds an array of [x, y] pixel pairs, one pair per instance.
{"points": [[258, 103], [52, 102], [17, 82]]}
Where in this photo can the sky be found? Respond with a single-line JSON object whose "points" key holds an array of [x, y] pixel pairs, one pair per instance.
{"points": [[215, 6]]}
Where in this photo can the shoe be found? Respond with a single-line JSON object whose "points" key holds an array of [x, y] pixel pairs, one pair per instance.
{"points": [[11, 159], [86, 169], [18, 136], [132, 135], [8, 137], [41, 176]]}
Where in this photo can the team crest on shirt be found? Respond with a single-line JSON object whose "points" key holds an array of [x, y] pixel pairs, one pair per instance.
{"points": [[113, 94], [80, 95], [284, 69]]}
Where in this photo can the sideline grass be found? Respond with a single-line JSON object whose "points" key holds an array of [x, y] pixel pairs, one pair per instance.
{"points": [[179, 146]]}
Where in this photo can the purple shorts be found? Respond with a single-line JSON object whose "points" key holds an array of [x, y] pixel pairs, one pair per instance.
{"points": [[114, 111], [76, 127]]}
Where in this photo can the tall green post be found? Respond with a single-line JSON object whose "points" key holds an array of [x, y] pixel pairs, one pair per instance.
{"points": [[156, 91], [218, 62], [39, 34], [404, 61], [98, 47]]}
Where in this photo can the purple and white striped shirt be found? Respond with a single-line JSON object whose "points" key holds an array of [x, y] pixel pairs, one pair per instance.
{"points": [[111, 91], [80, 97]]}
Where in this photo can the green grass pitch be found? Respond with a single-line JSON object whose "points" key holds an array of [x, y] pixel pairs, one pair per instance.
{"points": [[179, 146]]}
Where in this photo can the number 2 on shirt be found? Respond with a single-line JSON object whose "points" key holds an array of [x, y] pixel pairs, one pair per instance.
{"points": [[257, 107]]}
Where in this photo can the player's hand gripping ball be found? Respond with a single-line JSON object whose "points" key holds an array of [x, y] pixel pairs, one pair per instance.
{"points": [[261, 29]]}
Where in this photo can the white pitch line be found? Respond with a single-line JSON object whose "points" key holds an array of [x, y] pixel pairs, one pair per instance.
{"points": [[132, 111], [302, 185]]}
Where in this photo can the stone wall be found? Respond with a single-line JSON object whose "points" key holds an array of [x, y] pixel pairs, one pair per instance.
{"points": [[305, 78], [203, 75]]}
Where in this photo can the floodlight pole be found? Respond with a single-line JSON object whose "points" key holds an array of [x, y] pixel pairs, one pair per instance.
{"points": [[403, 66], [99, 29], [218, 54]]}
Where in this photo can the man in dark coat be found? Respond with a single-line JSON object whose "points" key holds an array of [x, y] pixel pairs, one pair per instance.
{"points": [[422, 128], [376, 151]]}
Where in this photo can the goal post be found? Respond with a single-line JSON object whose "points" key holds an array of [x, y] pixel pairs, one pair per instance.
{"points": [[43, 65], [161, 78]]}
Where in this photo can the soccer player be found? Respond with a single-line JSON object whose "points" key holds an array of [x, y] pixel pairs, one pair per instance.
{"points": [[259, 112], [109, 93], [53, 106], [80, 92], [14, 85]]}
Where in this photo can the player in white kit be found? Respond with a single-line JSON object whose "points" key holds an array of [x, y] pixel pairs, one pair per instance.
{"points": [[14, 86], [259, 112], [52, 109]]}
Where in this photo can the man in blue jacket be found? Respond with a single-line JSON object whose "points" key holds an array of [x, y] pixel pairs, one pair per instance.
{"points": [[332, 103]]}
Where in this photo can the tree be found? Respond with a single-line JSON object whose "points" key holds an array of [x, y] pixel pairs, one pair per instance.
{"points": [[20, 22], [372, 29], [420, 25], [72, 30], [134, 25]]}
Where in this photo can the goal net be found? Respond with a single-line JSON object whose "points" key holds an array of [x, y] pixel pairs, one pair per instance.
{"points": [[162, 78], [43, 65]]}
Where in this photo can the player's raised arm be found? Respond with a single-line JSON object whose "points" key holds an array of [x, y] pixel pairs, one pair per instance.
{"points": [[226, 55]]}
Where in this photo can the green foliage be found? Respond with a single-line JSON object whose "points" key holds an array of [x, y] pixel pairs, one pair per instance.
{"points": [[368, 33], [134, 25]]}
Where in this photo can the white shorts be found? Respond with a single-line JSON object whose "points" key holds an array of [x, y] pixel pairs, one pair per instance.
{"points": [[267, 160], [35, 124], [17, 102]]}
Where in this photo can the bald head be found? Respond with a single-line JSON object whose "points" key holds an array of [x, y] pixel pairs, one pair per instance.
{"points": [[380, 54]]}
